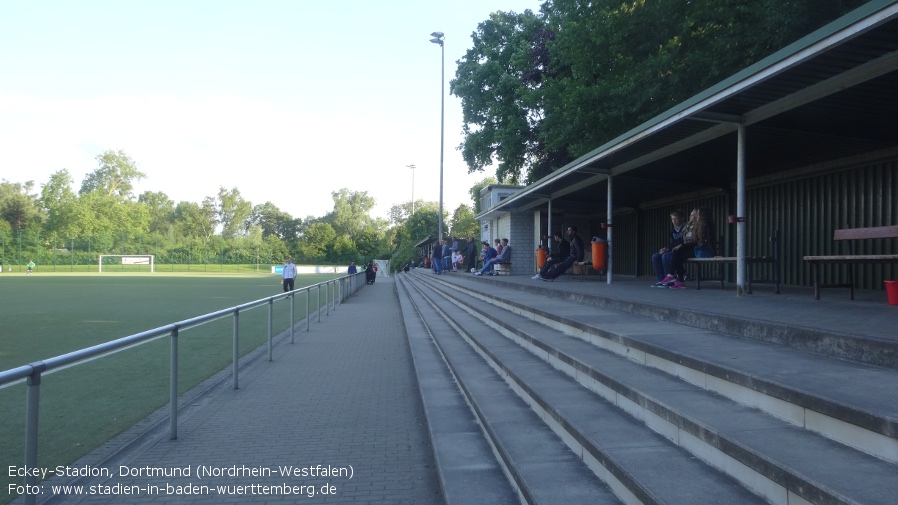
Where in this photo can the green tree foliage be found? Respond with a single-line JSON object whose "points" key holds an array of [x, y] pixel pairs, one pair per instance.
{"points": [[541, 90], [475, 192], [18, 206], [114, 176], [463, 224], [233, 213], [161, 210], [60, 202], [197, 220], [273, 221], [498, 81]]}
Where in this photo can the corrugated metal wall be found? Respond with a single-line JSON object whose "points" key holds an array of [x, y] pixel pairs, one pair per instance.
{"points": [[809, 210], [806, 211]]}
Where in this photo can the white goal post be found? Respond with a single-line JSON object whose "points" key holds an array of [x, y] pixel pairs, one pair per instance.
{"points": [[131, 259]]}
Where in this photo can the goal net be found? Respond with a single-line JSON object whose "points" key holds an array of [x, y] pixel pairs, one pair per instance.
{"points": [[138, 260]]}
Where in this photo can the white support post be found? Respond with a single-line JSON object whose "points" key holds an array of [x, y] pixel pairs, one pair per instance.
{"points": [[740, 211], [610, 232]]}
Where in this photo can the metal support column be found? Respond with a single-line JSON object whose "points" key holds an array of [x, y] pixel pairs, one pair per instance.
{"points": [[173, 387], [740, 211], [610, 232]]}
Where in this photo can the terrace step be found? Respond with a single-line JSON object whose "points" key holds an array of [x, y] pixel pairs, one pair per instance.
{"points": [[641, 365], [638, 464], [847, 401]]}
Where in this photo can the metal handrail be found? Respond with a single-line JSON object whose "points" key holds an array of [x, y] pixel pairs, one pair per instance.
{"points": [[35, 371]]}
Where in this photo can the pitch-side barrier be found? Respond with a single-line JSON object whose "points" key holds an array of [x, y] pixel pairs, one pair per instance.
{"points": [[34, 372]]}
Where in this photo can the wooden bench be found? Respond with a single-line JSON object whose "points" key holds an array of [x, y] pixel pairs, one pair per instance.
{"points": [[503, 268], [771, 259], [851, 259]]}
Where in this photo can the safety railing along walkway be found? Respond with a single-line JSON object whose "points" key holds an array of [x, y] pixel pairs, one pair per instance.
{"points": [[335, 292]]}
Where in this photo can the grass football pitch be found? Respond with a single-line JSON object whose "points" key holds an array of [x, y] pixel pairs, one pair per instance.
{"points": [[49, 314]]}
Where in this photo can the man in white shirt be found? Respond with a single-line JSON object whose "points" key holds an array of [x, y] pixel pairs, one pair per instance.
{"points": [[289, 275]]}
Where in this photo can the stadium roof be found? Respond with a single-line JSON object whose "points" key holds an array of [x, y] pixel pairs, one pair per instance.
{"points": [[829, 96]]}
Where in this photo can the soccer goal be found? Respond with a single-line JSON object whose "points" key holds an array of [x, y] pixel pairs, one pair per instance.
{"points": [[131, 259]]}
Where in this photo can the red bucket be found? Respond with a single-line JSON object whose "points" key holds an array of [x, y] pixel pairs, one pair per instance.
{"points": [[892, 291]]}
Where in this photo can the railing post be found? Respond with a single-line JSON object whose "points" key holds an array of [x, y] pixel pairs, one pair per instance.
{"points": [[292, 316], [236, 344], [308, 314], [32, 406], [173, 387], [327, 302], [270, 324], [318, 307]]}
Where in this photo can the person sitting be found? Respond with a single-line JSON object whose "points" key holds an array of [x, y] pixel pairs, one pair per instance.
{"points": [[661, 260], [561, 252], [698, 242], [502, 257], [575, 256]]}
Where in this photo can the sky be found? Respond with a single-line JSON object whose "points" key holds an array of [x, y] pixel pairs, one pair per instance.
{"points": [[288, 101]]}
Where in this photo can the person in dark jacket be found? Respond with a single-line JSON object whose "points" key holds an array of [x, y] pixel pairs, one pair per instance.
{"points": [[575, 256], [370, 274], [561, 252], [662, 260]]}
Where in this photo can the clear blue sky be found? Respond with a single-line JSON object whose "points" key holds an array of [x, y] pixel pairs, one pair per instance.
{"points": [[285, 100]]}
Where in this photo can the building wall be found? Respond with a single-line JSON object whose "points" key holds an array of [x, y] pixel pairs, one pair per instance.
{"points": [[805, 210]]}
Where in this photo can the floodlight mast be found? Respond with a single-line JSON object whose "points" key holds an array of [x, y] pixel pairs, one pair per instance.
{"points": [[412, 166], [438, 39]]}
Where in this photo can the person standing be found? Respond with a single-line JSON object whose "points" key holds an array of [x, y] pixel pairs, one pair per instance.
{"points": [[289, 275], [352, 269], [447, 255], [470, 255], [30, 267], [437, 257]]}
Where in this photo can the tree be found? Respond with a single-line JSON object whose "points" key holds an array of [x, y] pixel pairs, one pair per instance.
{"points": [[498, 81], [475, 192], [273, 221], [114, 176], [195, 220], [317, 243], [541, 90], [463, 224], [233, 213], [161, 209], [18, 206]]}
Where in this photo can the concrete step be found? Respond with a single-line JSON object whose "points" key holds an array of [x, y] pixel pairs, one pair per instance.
{"points": [[778, 460], [794, 321], [850, 402], [467, 469], [638, 464], [538, 465]]}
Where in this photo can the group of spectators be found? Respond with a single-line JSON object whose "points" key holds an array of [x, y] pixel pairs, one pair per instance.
{"points": [[692, 238], [447, 256]]}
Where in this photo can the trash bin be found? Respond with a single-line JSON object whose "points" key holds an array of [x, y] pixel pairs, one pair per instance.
{"points": [[599, 253], [892, 291]]}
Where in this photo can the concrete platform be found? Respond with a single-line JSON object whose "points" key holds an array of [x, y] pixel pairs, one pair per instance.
{"points": [[343, 398]]}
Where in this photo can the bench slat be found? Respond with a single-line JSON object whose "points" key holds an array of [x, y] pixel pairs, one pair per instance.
{"points": [[859, 258], [863, 233]]}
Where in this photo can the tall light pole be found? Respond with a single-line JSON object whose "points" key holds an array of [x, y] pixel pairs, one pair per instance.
{"points": [[438, 39], [412, 166]]}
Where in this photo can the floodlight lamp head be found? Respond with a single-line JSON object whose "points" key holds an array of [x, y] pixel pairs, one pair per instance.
{"points": [[437, 41], [438, 35]]}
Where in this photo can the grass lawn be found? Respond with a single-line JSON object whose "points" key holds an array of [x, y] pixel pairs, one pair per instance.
{"points": [[46, 315]]}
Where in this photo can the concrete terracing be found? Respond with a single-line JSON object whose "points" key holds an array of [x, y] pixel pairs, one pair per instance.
{"points": [[460, 389]]}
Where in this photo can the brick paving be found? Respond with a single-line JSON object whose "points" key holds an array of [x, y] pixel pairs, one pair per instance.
{"points": [[343, 396]]}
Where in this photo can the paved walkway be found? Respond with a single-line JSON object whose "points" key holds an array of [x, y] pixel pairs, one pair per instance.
{"points": [[342, 400]]}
